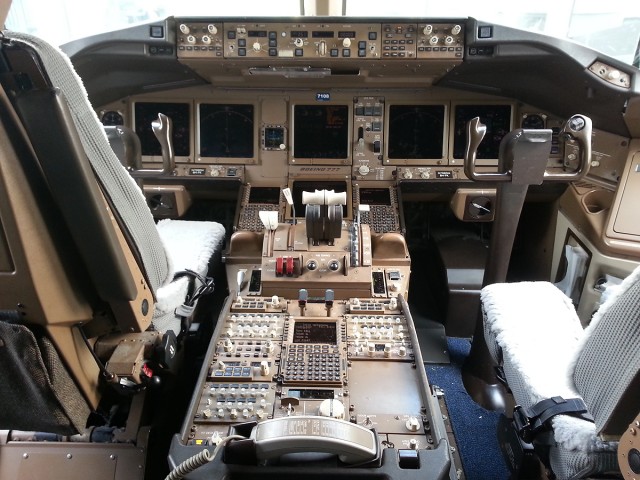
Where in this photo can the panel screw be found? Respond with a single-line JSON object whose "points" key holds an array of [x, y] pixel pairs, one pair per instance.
{"points": [[25, 455], [69, 456]]}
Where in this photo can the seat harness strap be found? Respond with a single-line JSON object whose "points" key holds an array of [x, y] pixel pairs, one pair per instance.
{"points": [[529, 422]]}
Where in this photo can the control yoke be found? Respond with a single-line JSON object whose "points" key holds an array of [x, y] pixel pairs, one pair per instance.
{"points": [[529, 144], [522, 162], [163, 130]]}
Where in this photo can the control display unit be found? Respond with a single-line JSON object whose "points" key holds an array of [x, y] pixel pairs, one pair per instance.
{"points": [[179, 113], [375, 196], [314, 332], [226, 130]]}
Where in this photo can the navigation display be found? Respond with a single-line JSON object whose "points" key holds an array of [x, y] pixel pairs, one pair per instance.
{"points": [[321, 131], [179, 113], [416, 132], [226, 131], [497, 118]]}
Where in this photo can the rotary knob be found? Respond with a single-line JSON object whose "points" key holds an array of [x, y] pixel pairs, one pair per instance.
{"points": [[298, 42], [433, 40], [456, 29], [428, 29], [184, 29], [449, 40], [269, 346], [425, 175], [346, 43], [413, 424], [363, 170], [206, 39], [334, 265], [407, 174], [212, 29], [191, 39], [257, 46]]}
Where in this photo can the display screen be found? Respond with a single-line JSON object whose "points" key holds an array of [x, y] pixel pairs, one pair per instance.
{"points": [[179, 113], [300, 186], [416, 131], [226, 131], [264, 195], [497, 118], [321, 131], [315, 332], [375, 196]]}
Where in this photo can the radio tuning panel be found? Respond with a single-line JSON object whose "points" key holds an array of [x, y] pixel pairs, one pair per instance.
{"points": [[267, 363]]}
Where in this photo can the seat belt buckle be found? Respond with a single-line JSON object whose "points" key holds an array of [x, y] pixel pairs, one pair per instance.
{"points": [[522, 424]]}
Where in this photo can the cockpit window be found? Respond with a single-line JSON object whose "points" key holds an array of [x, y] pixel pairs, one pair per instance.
{"points": [[612, 28]]}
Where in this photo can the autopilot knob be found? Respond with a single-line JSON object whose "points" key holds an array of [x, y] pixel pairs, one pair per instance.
{"points": [[363, 170], [346, 43]]}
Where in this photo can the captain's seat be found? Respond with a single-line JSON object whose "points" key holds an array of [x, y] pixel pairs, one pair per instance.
{"points": [[533, 332], [81, 257]]}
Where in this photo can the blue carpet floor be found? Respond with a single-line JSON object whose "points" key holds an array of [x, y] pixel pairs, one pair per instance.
{"points": [[473, 426]]}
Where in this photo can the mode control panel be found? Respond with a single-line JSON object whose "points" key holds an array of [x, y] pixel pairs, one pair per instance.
{"points": [[302, 40], [292, 40]]}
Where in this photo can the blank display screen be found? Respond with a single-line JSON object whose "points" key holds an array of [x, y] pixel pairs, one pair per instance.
{"points": [[226, 131], [416, 131]]}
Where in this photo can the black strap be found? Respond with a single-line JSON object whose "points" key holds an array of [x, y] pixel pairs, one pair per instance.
{"points": [[531, 421], [206, 287]]}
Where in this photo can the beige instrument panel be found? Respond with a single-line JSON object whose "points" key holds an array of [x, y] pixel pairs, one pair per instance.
{"points": [[301, 40]]}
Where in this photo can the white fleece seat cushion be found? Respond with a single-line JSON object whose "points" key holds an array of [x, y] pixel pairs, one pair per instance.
{"points": [[189, 245], [533, 327]]}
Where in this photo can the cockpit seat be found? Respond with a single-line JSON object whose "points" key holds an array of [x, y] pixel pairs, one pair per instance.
{"points": [[533, 332], [164, 249], [91, 286]]}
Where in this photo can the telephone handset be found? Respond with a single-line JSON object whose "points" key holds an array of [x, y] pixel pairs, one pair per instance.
{"points": [[352, 443]]}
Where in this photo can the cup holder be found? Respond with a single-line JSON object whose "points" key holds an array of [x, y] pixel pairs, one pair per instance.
{"points": [[597, 201]]}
